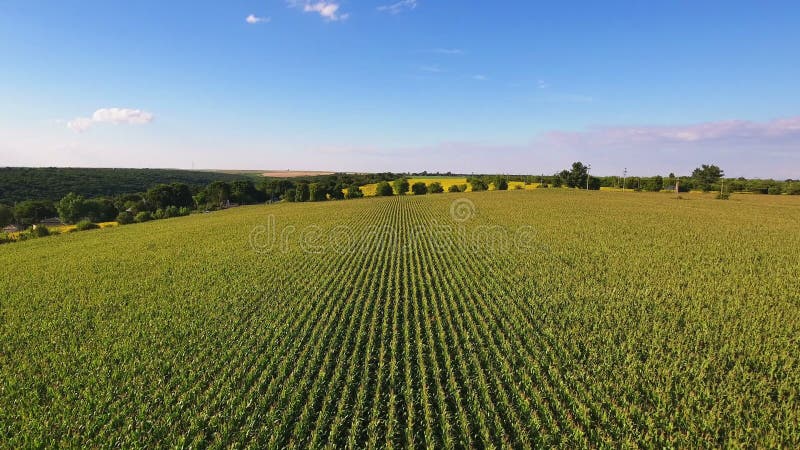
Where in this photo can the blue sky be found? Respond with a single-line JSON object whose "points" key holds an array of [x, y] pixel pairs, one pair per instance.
{"points": [[515, 86]]}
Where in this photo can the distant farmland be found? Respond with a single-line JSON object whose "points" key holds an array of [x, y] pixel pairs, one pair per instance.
{"points": [[515, 319]]}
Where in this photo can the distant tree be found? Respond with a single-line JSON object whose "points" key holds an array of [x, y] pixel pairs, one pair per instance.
{"points": [[706, 176], [435, 188], [218, 193], [245, 193], [478, 184], [143, 216], [84, 225], [453, 188], [34, 211], [383, 189], [6, 215], [501, 184], [290, 195], [302, 193], [653, 184], [99, 210], [793, 188], [353, 191], [419, 188], [182, 195], [160, 196], [594, 184], [400, 186], [336, 192], [71, 208], [316, 192], [39, 231], [124, 218], [576, 176]]}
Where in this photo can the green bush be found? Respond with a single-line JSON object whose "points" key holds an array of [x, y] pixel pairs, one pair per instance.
{"points": [[353, 191], [774, 190], [453, 188], [384, 190], [84, 225], [435, 188], [143, 216], [419, 188], [39, 231], [478, 185], [400, 186], [124, 218]]}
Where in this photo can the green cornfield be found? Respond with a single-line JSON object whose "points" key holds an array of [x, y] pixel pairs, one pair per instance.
{"points": [[518, 319]]}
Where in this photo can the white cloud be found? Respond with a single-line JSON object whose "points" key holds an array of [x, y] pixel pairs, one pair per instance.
{"points": [[116, 116], [397, 8], [542, 84], [253, 19], [328, 10], [480, 77], [80, 124], [431, 69], [447, 51]]}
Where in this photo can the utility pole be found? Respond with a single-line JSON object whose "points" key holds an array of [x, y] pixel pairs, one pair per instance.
{"points": [[588, 168], [624, 177]]}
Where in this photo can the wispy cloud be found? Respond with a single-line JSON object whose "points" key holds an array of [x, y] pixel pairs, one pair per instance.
{"points": [[253, 19], [116, 116], [397, 8], [480, 77], [431, 69], [444, 51], [541, 84], [709, 132], [328, 10]]}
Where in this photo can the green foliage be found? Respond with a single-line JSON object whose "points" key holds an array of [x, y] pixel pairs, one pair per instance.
{"points": [[6, 215], [383, 189], [774, 190], [244, 192], [84, 225], [477, 184], [20, 184], [215, 195], [400, 186], [71, 208], [317, 192], [454, 188], [419, 188], [143, 216], [163, 195], [353, 191], [435, 188], [125, 218], [302, 193], [575, 177], [706, 176], [38, 231], [33, 211], [500, 183]]}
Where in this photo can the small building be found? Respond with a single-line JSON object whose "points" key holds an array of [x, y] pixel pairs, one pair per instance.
{"points": [[52, 221], [12, 229]]}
